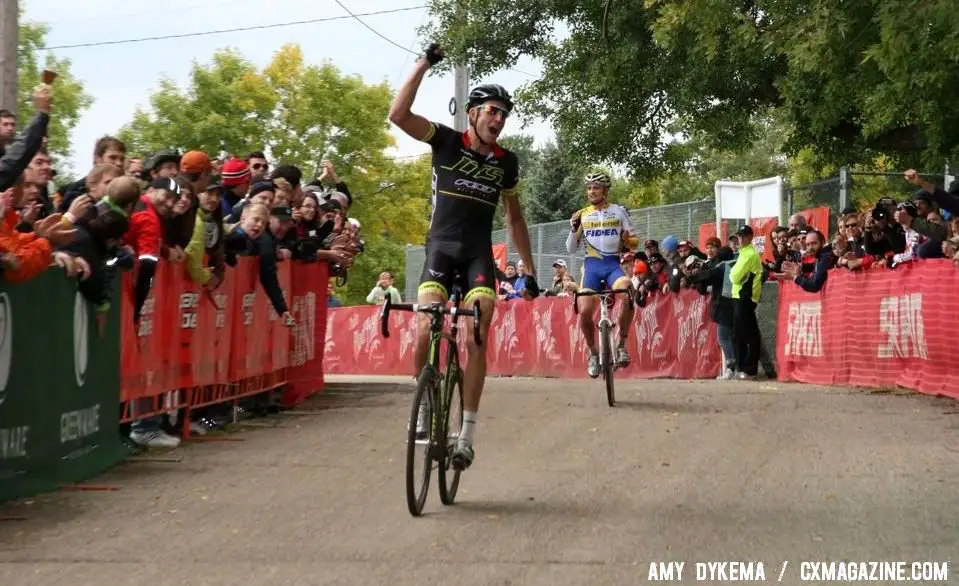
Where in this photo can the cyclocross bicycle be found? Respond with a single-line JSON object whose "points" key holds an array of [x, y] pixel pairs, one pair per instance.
{"points": [[438, 399], [606, 363]]}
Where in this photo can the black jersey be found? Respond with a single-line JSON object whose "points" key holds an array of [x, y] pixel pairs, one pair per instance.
{"points": [[467, 186]]}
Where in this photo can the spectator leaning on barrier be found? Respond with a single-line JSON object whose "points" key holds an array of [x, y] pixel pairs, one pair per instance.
{"points": [[254, 236], [721, 308], [812, 272], [234, 183], [23, 256], [145, 235], [207, 241], [179, 224], [746, 279]]}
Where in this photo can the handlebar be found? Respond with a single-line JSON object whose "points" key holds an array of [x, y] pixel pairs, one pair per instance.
{"points": [[603, 293], [434, 309]]}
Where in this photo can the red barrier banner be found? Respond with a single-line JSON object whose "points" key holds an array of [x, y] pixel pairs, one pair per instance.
{"points": [[671, 337], [499, 255], [307, 337], [145, 363], [191, 337], [879, 329]]}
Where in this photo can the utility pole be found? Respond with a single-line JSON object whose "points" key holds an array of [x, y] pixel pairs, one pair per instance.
{"points": [[9, 15], [461, 82]]}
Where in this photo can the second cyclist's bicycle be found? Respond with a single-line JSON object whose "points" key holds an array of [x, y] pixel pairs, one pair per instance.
{"points": [[606, 363], [436, 417]]}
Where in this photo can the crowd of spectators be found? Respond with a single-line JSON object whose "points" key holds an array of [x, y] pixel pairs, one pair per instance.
{"points": [[131, 212]]}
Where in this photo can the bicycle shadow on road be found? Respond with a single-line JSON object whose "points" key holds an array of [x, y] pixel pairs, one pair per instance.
{"points": [[665, 407], [527, 506]]}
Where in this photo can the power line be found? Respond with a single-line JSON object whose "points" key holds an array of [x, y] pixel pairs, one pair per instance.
{"points": [[399, 46], [373, 30], [231, 30]]}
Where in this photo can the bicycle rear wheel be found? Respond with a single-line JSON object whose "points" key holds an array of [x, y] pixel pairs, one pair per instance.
{"points": [[418, 450], [606, 357], [452, 392]]}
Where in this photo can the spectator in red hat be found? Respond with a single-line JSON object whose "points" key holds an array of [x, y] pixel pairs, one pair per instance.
{"points": [[235, 182]]}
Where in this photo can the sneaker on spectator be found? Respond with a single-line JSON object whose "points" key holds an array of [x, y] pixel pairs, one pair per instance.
{"points": [[727, 374], [197, 428], [744, 376], [155, 439]]}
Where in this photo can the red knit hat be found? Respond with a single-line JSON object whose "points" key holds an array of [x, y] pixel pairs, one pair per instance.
{"points": [[234, 172]]}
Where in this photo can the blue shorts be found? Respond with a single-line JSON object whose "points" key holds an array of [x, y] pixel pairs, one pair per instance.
{"points": [[596, 270]]}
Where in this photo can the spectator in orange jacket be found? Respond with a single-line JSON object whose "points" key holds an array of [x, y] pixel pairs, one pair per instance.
{"points": [[23, 256]]}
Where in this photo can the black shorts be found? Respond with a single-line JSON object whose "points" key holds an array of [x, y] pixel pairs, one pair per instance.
{"points": [[453, 263]]}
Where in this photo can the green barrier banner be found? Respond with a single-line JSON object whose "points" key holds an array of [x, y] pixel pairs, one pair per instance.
{"points": [[59, 387]]}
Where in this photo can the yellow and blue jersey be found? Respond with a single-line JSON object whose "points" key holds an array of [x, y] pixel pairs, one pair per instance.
{"points": [[603, 232]]}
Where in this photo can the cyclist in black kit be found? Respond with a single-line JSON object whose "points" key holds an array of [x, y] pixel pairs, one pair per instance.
{"points": [[470, 174]]}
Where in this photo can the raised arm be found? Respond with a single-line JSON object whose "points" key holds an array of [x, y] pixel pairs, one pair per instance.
{"points": [[400, 110]]}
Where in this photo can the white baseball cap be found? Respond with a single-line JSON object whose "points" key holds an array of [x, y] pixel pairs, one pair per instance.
{"points": [[559, 263]]}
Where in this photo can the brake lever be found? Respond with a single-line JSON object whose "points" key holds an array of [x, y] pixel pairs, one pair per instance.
{"points": [[385, 317], [476, 324]]}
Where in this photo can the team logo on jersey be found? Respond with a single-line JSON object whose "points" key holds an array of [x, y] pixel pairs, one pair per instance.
{"points": [[480, 171], [474, 186], [436, 274]]}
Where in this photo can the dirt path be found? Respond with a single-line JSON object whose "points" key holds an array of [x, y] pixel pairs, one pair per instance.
{"points": [[564, 490]]}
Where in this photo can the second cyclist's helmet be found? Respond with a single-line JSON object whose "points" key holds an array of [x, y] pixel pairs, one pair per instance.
{"points": [[488, 92], [598, 177]]}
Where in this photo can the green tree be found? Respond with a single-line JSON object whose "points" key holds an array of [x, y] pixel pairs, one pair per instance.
{"points": [[394, 214], [295, 112], [554, 186], [852, 79], [69, 97]]}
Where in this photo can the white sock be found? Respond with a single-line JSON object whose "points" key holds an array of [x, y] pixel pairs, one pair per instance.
{"points": [[469, 422]]}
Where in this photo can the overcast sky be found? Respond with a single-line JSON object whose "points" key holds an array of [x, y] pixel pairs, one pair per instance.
{"points": [[121, 77]]}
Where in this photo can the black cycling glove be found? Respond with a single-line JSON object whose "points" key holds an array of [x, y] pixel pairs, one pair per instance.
{"points": [[432, 56]]}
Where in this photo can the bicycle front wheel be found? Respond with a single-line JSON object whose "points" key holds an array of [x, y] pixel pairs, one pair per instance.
{"points": [[419, 443], [453, 405], [606, 357]]}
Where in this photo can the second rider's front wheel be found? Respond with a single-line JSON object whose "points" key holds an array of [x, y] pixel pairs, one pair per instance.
{"points": [[606, 358]]}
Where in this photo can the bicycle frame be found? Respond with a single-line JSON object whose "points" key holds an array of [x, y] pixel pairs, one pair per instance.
{"points": [[605, 296]]}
